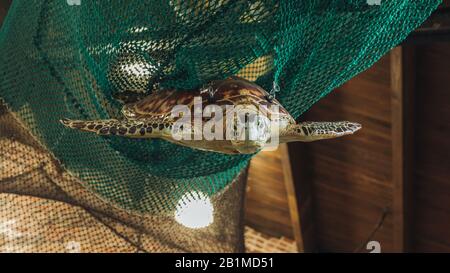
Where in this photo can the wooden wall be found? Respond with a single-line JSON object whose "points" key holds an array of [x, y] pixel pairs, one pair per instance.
{"points": [[431, 201], [349, 183], [267, 208], [351, 177]]}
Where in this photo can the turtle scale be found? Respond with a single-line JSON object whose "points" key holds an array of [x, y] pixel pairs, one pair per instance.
{"points": [[232, 91]]}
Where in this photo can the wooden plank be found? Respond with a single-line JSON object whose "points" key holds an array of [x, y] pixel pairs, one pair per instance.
{"points": [[347, 180], [277, 204], [292, 197], [402, 84], [431, 225], [267, 208], [299, 190]]}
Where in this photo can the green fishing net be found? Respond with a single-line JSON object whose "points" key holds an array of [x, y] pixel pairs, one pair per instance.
{"points": [[69, 58]]}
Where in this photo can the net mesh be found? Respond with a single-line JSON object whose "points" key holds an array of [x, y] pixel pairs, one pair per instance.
{"points": [[68, 59]]}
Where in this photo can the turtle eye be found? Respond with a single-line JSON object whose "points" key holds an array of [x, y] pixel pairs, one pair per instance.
{"points": [[247, 118]]}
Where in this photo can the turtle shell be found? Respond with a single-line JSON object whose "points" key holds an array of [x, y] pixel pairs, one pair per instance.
{"points": [[231, 91]]}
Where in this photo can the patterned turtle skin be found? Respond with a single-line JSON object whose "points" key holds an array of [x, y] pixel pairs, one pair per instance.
{"points": [[154, 117]]}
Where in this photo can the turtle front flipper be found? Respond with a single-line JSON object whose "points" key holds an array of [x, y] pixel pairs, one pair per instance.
{"points": [[311, 131], [125, 128]]}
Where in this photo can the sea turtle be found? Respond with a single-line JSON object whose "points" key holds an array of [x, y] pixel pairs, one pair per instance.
{"points": [[153, 117]]}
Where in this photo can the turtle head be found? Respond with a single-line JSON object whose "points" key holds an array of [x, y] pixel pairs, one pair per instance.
{"points": [[312, 131], [250, 129]]}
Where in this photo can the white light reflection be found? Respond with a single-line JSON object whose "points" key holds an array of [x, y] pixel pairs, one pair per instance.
{"points": [[138, 69], [194, 210]]}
